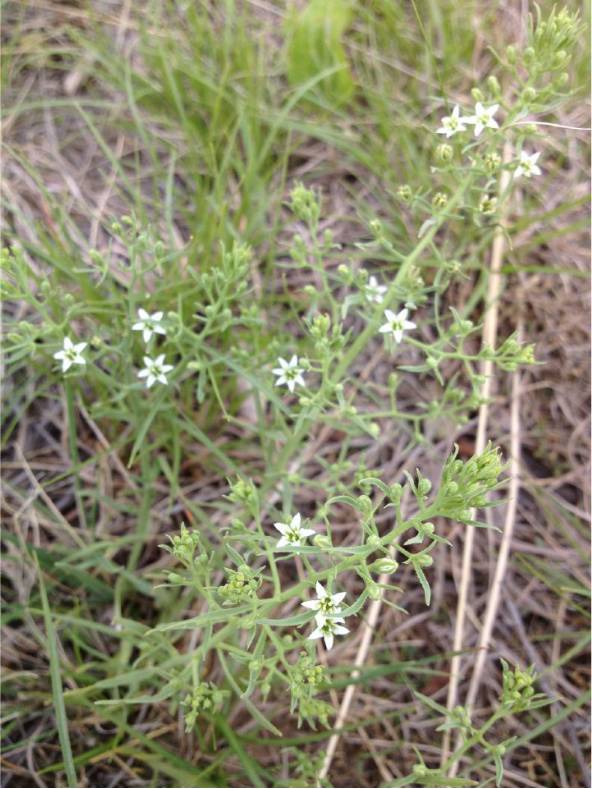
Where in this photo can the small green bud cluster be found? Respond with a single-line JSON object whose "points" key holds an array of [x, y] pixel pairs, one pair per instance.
{"points": [[205, 698], [305, 204], [241, 586], [183, 545], [327, 339], [458, 718], [444, 153], [440, 200], [488, 205], [243, 491], [511, 354], [306, 679], [464, 485], [518, 687], [404, 193], [492, 162], [553, 38]]}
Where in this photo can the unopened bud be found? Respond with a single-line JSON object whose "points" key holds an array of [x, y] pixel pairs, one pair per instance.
{"points": [[444, 152], [384, 565], [493, 86], [322, 541]]}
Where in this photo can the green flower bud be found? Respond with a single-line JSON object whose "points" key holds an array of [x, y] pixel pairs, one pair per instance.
{"points": [[492, 161], [395, 493], [529, 55], [384, 566], [529, 94], [493, 86], [488, 205], [439, 200], [374, 429], [477, 95], [444, 153], [404, 193], [304, 203], [424, 486], [511, 54], [322, 541]]}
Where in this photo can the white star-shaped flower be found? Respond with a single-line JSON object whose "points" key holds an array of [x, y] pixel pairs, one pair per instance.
{"points": [[70, 354], [327, 629], [483, 118], [149, 324], [289, 373], [155, 370], [326, 604], [528, 165], [373, 291], [292, 533], [396, 324], [452, 123]]}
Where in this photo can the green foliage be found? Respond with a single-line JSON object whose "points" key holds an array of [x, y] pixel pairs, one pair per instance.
{"points": [[315, 52], [203, 240]]}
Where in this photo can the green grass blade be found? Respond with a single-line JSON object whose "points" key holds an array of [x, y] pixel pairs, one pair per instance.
{"points": [[56, 686]]}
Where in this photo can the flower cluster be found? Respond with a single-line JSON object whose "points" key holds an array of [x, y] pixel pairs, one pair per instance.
{"points": [[154, 370], [204, 698], [327, 606], [484, 118], [328, 622]]}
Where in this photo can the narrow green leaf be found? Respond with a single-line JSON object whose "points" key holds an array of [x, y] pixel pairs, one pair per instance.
{"points": [[56, 685]]}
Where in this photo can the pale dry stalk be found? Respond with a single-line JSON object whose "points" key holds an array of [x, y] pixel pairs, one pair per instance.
{"points": [[487, 370]]}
